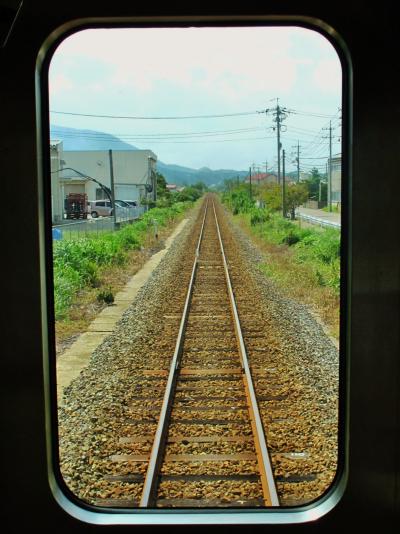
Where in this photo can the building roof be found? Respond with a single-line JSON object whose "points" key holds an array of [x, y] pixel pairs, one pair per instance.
{"points": [[54, 143], [260, 177]]}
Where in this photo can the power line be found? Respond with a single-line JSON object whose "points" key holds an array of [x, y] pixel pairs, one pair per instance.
{"points": [[313, 114], [155, 118], [157, 142], [323, 157], [151, 136], [214, 140]]}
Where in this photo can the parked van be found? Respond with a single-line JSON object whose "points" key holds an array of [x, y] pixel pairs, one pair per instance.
{"points": [[100, 208]]}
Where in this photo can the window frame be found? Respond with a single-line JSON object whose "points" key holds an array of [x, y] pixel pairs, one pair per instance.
{"points": [[65, 498]]}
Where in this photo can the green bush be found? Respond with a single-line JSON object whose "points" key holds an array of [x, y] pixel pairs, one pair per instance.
{"points": [[317, 247], [291, 238], [323, 246], [76, 263], [105, 295], [259, 216], [238, 201]]}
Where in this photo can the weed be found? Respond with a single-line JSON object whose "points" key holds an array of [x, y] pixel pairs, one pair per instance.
{"points": [[259, 216], [77, 263], [105, 295], [303, 262]]}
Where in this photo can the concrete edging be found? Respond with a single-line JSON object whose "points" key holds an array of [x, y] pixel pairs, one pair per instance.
{"points": [[75, 358]]}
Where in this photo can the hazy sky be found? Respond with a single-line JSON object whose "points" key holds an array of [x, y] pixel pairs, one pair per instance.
{"points": [[155, 73]]}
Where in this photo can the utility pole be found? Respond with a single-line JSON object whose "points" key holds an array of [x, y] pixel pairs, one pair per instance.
{"points": [[330, 168], [283, 185], [280, 115], [254, 169], [298, 162], [278, 124], [112, 187], [251, 192]]}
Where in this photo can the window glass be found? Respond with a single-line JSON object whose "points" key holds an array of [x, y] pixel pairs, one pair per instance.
{"points": [[247, 118]]}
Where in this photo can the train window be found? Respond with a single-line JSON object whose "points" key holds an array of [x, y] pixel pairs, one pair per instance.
{"points": [[195, 183]]}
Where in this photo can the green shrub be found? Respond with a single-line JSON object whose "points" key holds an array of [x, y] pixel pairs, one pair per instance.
{"points": [[238, 201], [105, 295], [67, 282], [259, 216], [77, 263], [291, 238], [319, 248], [323, 246]]}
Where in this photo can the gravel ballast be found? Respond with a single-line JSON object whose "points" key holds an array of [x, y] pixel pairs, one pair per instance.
{"points": [[294, 365]]}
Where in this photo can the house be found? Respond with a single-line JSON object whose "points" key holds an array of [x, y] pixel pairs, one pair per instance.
{"points": [[131, 173], [262, 177], [174, 188]]}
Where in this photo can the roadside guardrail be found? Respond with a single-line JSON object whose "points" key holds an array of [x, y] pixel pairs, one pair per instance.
{"points": [[317, 220]]}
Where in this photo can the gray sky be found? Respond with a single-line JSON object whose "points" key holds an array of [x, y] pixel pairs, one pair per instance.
{"points": [[203, 72]]}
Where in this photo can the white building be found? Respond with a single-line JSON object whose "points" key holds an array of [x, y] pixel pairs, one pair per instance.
{"points": [[57, 197], [132, 174], [336, 178]]}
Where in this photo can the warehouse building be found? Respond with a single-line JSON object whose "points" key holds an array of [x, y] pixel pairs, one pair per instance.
{"points": [[131, 173]]}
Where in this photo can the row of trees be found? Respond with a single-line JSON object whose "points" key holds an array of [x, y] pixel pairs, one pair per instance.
{"points": [[166, 198], [270, 195]]}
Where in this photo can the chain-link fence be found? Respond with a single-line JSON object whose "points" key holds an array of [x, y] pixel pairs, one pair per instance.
{"points": [[83, 228]]}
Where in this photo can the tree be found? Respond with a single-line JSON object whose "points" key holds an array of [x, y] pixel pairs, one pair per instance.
{"points": [[315, 184], [296, 195], [271, 195], [201, 186], [188, 193], [161, 185]]}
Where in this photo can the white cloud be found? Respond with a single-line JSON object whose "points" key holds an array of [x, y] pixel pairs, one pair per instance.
{"points": [[327, 75], [60, 83], [194, 71], [251, 59]]}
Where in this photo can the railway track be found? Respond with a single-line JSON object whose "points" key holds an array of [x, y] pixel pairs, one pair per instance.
{"points": [[209, 444], [138, 432]]}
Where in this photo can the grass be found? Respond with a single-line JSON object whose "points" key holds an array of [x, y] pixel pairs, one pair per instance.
{"points": [[335, 208], [303, 262], [87, 272]]}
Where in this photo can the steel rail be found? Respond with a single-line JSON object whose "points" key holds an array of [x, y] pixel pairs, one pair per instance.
{"points": [[157, 452], [266, 474]]}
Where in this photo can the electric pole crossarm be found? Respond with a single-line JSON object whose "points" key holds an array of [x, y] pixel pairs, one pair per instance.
{"points": [[280, 114]]}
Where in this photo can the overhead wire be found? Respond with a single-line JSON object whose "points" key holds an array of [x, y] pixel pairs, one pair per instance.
{"points": [[312, 149], [141, 117]]}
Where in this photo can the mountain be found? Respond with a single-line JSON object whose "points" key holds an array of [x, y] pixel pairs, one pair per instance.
{"points": [[77, 139], [179, 175]]}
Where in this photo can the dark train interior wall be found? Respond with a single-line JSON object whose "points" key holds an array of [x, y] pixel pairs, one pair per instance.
{"points": [[371, 498]]}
